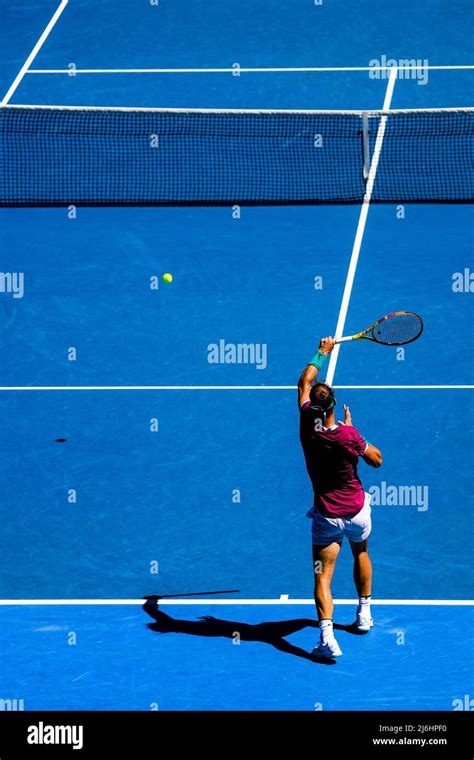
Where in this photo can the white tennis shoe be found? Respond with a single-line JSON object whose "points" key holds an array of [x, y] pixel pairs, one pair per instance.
{"points": [[329, 650], [363, 622]]}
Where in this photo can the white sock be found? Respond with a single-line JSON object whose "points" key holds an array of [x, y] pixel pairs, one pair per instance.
{"points": [[327, 633], [364, 606]]}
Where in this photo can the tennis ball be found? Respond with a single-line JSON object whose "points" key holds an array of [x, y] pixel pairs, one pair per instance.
{"points": [[167, 277]]}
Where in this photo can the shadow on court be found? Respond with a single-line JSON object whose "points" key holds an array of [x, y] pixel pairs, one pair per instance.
{"points": [[272, 633]]}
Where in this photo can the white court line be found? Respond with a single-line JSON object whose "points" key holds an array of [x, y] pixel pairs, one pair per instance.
{"points": [[247, 70], [34, 52], [204, 601], [360, 229], [221, 387]]}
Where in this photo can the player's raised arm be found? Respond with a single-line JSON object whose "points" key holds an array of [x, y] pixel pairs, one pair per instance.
{"points": [[308, 375]]}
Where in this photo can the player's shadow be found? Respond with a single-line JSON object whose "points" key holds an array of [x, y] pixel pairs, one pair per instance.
{"points": [[273, 633]]}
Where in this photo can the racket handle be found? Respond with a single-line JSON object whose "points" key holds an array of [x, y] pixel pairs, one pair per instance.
{"points": [[343, 340]]}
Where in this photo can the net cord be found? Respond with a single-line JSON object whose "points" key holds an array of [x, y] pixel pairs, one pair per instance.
{"points": [[263, 111]]}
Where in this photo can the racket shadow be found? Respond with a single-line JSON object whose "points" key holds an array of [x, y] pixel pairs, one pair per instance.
{"points": [[272, 633]]}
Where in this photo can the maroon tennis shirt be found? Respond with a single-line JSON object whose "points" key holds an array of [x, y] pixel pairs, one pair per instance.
{"points": [[331, 456]]}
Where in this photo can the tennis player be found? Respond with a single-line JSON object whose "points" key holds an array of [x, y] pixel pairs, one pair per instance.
{"points": [[340, 507]]}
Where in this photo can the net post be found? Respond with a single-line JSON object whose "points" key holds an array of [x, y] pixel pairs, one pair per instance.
{"points": [[365, 144]]}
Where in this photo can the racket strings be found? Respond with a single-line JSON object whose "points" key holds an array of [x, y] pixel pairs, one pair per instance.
{"points": [[398, 329]]}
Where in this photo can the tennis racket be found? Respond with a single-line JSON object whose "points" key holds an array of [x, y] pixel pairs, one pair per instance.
{"points": [[395, 329]]}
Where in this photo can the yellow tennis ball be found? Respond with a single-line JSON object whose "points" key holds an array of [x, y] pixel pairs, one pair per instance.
{"points": [[167, 277]]}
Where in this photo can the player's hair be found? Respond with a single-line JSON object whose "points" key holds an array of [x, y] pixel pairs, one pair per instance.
{"points": [[322, 398]]}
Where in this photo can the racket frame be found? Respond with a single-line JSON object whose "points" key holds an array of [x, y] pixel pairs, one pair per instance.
{"points": [[364, 334]]}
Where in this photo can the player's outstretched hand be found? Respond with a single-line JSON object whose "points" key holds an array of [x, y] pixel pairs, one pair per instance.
{"points": [[326, 345], [347, 417]]}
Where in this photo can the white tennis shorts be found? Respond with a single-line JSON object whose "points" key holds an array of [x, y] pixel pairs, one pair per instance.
{"points": [[328, 530]]}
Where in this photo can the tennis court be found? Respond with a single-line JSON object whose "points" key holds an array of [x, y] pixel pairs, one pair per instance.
{"points": [[178, 473]]}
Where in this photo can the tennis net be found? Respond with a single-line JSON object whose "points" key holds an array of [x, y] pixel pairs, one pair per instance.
{"points": [[54, 155]]}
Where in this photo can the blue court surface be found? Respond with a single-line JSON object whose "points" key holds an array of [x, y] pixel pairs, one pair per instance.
{"points": [[178, 474]]}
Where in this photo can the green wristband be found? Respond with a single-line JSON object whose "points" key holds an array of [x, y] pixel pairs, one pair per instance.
{"points": [[318, 360], [366, 441]]}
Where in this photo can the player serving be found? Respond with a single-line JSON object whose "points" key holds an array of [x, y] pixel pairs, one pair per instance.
{"points": [[340, 507]]}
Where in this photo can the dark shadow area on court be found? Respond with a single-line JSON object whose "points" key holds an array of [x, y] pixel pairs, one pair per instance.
{"points": [[272, 633]]}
